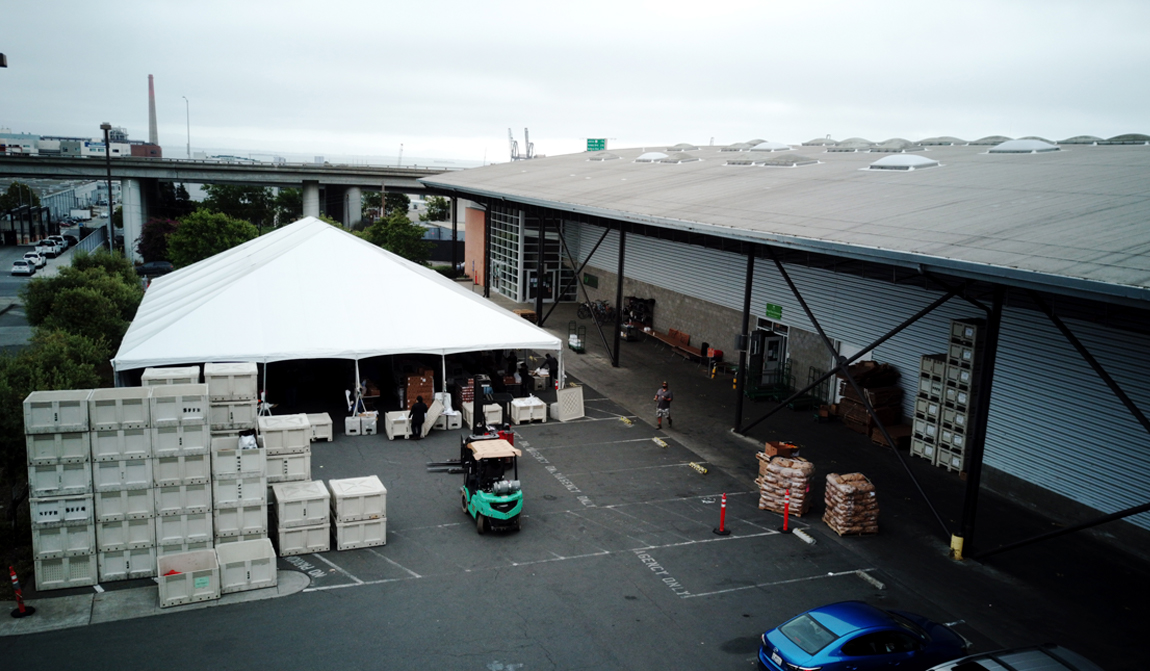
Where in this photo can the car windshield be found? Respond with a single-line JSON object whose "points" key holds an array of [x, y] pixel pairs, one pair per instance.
{"points": [[808, 634], [909, 626]]}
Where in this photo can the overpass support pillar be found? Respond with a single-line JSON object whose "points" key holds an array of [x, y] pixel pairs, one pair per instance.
{"points": [[311, 198], [352, 206], [134, 196]]}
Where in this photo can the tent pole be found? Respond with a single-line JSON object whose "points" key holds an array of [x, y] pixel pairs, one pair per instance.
{"points": [[443, 358], [356, 409], [561, 382]]}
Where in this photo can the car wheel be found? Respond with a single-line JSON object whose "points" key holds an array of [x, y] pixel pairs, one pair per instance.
{"points": [[481, 524]]}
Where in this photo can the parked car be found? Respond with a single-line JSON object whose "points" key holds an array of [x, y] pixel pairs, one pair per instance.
{"points": [[23, 267], [154, 268], [1046, 657], [37, 260], [855, 635], [59, 240], [72, 240], [48, 248]]}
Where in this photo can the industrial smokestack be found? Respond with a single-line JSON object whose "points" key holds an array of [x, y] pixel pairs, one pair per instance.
{"points": [[153, 136]]}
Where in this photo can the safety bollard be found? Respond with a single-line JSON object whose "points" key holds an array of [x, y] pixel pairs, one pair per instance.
{"points": [[21, 610], [786, 513], [723, 530]]}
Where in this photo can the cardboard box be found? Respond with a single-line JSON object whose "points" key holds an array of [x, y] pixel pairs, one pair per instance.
{"points": [[781, 449]]}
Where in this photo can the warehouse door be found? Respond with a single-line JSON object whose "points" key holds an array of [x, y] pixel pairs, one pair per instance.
{"points": [[769, 354]]}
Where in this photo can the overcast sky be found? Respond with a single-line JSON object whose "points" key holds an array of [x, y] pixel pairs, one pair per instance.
{"points": [[447, 78]]}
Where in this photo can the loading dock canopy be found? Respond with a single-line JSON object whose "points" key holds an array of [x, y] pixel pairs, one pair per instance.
{"points": [[311, 290]]}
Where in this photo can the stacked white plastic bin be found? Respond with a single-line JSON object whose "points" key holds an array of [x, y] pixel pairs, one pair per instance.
{"points": [[232, 391], [359, 511], [301, 517], [122, 461], [181, 468], [60, 486], [240, 489], [288, 442]]}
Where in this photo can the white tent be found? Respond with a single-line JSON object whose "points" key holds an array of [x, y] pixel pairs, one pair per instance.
{"points": [[314, 291]]}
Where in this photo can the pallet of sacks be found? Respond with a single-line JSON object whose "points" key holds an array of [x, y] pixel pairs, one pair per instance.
{"points": [[851, 506], [779, 474]]}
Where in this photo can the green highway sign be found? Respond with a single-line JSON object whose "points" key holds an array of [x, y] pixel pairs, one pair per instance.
{"points": [[774, 311], [596, 144]]}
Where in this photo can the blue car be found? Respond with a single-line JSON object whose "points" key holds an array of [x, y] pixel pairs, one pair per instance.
{"points": [[857, 636]]}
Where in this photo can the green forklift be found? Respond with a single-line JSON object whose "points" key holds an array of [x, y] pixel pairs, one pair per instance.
{"points": [[487, 495]]}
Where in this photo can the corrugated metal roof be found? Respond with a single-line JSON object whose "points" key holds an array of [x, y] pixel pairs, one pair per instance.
{"points": [[1077, 219]]}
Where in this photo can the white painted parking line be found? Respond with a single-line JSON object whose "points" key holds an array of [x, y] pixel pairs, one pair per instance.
{"points": [[396, 564], [609, 442], [329, 563], [777, 582]]}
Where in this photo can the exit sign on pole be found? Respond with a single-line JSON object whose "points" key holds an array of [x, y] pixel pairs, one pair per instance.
{"points": [[596, 144]]}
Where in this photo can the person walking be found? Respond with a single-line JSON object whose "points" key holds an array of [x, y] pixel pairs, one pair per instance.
{"points": [[663, 398], [418, 414]]}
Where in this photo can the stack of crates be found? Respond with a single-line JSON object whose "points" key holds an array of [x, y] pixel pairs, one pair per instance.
{"points": [[240, 490], [963, 365], [928, 407], [359, 512], [301, 517], [232, 392], [122, 476], [181, 468], [60, 486], [288, 442]]}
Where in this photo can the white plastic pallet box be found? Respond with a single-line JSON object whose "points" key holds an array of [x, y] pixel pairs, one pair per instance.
{"points": [[185, 546], [229, 460], [229, 415], [568, 404], [354, 499], [289, 467], [179, 405], [191, 469], [184, 528], [117, 444], [231, 381], [126, 504], [50, 480], [528, 410], [303, 540], [246, 565], [65, 572], [397, 424], [302, 504], [248, 490], [120, 408], [362, 534], [175, 375], [224, 540], [321, 428], [58, 448], [111, 476], [183, 499], [126, 564], [285, 434], [61, 510], [240, 521], [60, 411], [125, 535], [449, 421], [352, 426], [369, 423], [188, 577], [68, 540], [178, 441]]}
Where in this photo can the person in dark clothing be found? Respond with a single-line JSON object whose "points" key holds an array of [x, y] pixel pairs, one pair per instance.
{"points": [[418, 414], [552, 366]]}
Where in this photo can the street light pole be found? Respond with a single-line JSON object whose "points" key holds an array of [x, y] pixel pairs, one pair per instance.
{"points": [[188, 116], [106, 127]]}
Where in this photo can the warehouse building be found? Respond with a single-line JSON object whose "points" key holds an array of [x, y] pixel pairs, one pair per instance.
{"points": [[1023, 263]]}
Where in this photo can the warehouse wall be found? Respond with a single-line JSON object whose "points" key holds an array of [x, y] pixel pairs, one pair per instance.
{"points": [[475, 223]]}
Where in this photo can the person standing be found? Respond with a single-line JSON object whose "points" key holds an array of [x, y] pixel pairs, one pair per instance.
{"points": [[552, 365], [418, 415], [663, 398]]}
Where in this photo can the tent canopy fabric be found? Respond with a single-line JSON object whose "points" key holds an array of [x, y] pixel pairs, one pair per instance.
{"points": [[311, 290]]}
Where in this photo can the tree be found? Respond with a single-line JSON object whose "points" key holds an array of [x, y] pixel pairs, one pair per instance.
{"points": [[397, 234], [396, 202], [438, 209], [174, 201], [153, 244], [18, 194], [371, 204], [248, 203], [118, 217], [97, 296], [329, 220], [288, 206], [85, 311], [202, 234]]}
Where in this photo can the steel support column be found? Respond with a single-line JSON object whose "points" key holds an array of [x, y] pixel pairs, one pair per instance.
{"points": [[619, 295], [487, 252], [741, 373], [454, 237]]}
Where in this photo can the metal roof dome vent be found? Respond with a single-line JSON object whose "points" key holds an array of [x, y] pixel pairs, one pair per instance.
{"points": [[751, 143], [902, 162], [680, 157], [602, 156], [941, 141], [851, 144], [820, 142], [991, 140], [738, 146], [683, 146], [786, 161], [771, 146], [1039, 138], [1023, 147], [895, 145], [1128, 138], [744, 158], [651, 157], [1082, 139]]}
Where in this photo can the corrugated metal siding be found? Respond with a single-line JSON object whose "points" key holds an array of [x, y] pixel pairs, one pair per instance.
{"points": [[1048, 406]]}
